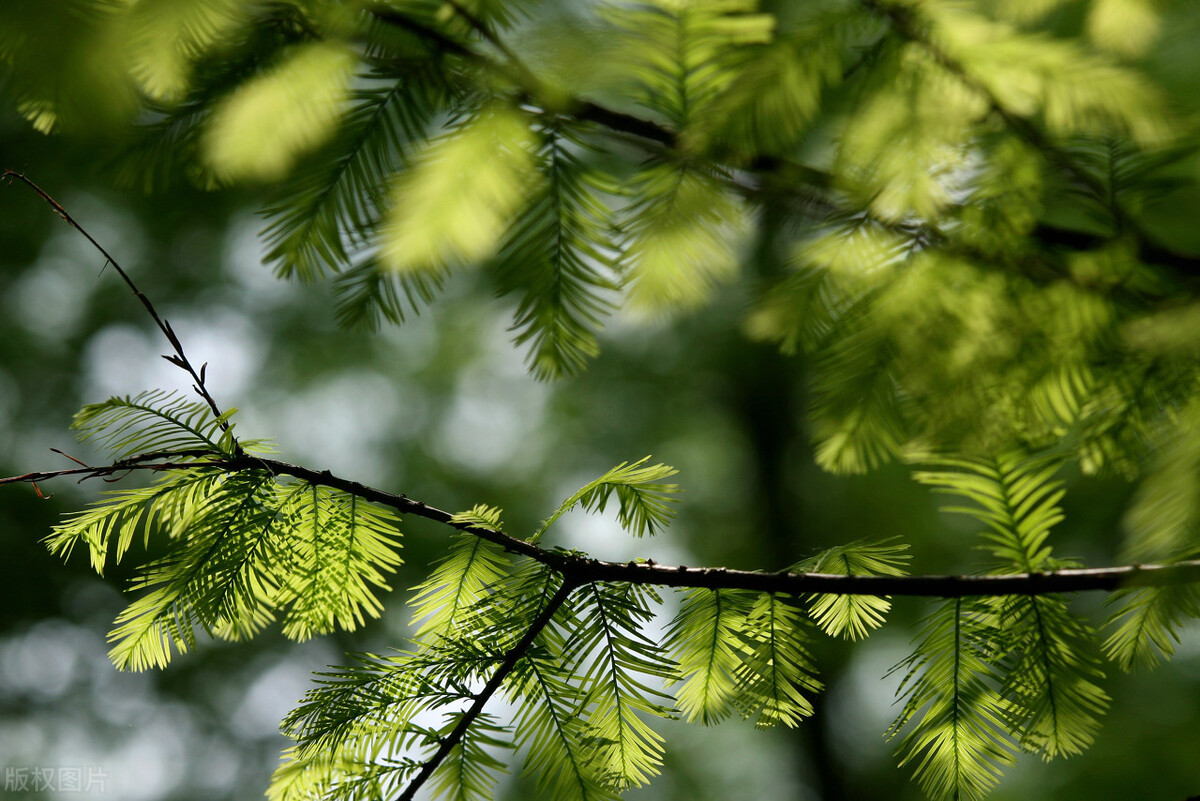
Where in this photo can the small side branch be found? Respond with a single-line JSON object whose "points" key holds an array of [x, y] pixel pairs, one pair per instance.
{"points": [[502, 672]]}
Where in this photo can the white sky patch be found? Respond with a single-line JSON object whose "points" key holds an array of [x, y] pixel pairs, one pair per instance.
{"points": [[274, 693], [337, 424], [125, 360], [154, 760], [119, 231], [51, 297], [117, 360], [862, 700], [46, 661], [496, 416], [484, 432], [231, 345]]}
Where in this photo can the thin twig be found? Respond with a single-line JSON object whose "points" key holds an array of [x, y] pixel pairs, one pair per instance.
{"points": [[179, 359], [502, 672]]}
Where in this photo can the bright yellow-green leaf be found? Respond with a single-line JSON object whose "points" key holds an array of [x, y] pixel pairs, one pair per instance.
{"points": [[1123, 27], [1023, 11], [903, 148], [1074, 92], [260, 129], [454, 206], [688, 230]]}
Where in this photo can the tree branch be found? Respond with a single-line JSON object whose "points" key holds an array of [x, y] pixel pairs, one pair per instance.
{"points": [[580, 569]]}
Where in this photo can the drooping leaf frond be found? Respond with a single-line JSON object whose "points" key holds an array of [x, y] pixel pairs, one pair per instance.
{"points": [[1046, 654], [470, 771], [167, 36], [704, 639], [560, 255], [679, 55], [1052, 674], [1145, 625], [171, 141], [742, 652], [684, 225], [685, 229], [615, 661], [456, 584], [109, 527], [367, 722], [1077, 92], [643, 500], [957, 743], [778, 669], [358, 730], [1165, 514], [909, 136], [856, 408], [194, 584], [154, 422], [454, 205], [549, 697], [853, 616], [338, 549], [330, 207], [367, 294], [285, 112], [549, 728], [241, 549], [776, 87]]}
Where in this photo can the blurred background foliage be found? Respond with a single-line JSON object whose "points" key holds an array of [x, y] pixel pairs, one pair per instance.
{"points": [[1033, 310]]}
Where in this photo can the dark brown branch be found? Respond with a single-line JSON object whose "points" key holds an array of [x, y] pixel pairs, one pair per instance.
{"points": [[502, 672], [579, 569], [581, 109], [179, 359], [145, 461]]}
